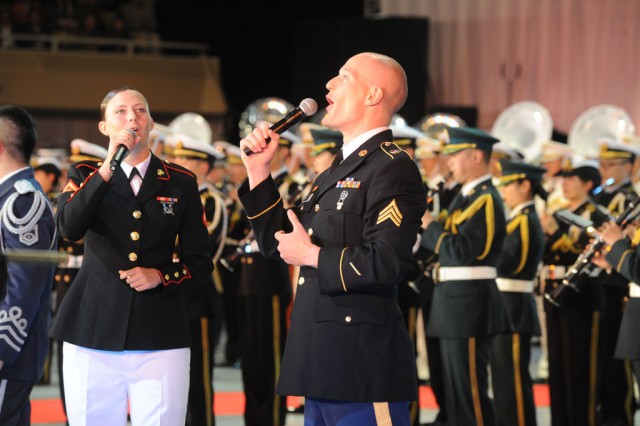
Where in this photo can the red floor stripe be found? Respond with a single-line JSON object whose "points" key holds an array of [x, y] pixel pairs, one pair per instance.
{"points": [[232, 404]]}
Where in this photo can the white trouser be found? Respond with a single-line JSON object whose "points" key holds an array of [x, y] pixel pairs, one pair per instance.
{"points": [[101, 385]]}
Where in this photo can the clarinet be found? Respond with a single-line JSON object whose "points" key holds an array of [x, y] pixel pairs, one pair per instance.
{"points": [[433, 194], [583, 266], [426, 265]]}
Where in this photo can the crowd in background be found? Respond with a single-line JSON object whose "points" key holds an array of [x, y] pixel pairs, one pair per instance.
{"points": [[117, 19]]}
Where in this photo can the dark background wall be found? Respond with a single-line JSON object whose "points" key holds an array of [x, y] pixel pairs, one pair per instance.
{"points": [[276, 49]]}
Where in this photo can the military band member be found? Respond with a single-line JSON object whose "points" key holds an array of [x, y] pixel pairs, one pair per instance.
{"points": [[521, 257], [467, 308], [305, 148], [123, 321], [573, 328], [443, 188], [502, 151], [47, 171], [348, 352], [265, 293], [556, 157], [410, 291], [407, 138], [25, 307], [198, 157], [238, 237], [217, 176], [326, 144], [633, 140], [616, 399], [622, 253]]}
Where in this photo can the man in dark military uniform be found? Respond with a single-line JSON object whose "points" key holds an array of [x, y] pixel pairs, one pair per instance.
{"points": [[25, 309], [123, 321], [348, 352], [573, 327], [616, 400], [198, 156], [467, 308], [518, 266]]}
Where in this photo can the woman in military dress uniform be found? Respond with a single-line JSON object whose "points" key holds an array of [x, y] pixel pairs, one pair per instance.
{"points": [[123, 322]]}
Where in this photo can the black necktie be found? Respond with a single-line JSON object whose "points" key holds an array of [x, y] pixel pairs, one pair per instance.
{"points": [[134, 173], [336, 161]]}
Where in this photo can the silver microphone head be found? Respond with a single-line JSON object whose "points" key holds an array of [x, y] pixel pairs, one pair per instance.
{"points": [[132, 132], [308, 106]]}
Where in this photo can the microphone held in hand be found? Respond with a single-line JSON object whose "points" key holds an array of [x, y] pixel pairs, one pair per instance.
{"points": [[307, 108], [121, 152]]}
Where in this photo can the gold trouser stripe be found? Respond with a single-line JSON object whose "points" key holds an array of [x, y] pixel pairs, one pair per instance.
{"points": [[628, 372], [517, 378], [275, 307], [383, 415], [628, 400], [414, 408], [411, 322], [217, 279], [46, 372], [206, 368], [475, 391], [593, 370]]}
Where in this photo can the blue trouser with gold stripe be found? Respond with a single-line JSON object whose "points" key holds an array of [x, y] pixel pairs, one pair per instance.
{"points": [[324, 412]]}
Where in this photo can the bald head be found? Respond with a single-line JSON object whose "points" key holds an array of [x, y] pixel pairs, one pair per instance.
{"points": [[367, 91], [387, 74]]}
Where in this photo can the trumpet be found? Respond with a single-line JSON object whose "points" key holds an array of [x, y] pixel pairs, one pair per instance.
{"points": [[583, 267]]}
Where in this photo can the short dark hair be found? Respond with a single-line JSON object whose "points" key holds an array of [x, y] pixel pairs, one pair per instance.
{"points": [[18, 132], [50, 169]]}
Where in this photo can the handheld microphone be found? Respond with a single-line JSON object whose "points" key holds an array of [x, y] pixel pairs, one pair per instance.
{"points": [[307, 108], [121, 152]]}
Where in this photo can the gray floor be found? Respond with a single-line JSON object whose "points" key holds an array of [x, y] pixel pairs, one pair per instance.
{"points": [[228, 379]]}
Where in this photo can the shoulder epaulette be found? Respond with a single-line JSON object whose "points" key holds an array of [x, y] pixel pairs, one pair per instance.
{"points": [[393, 150], [179, 169]]}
